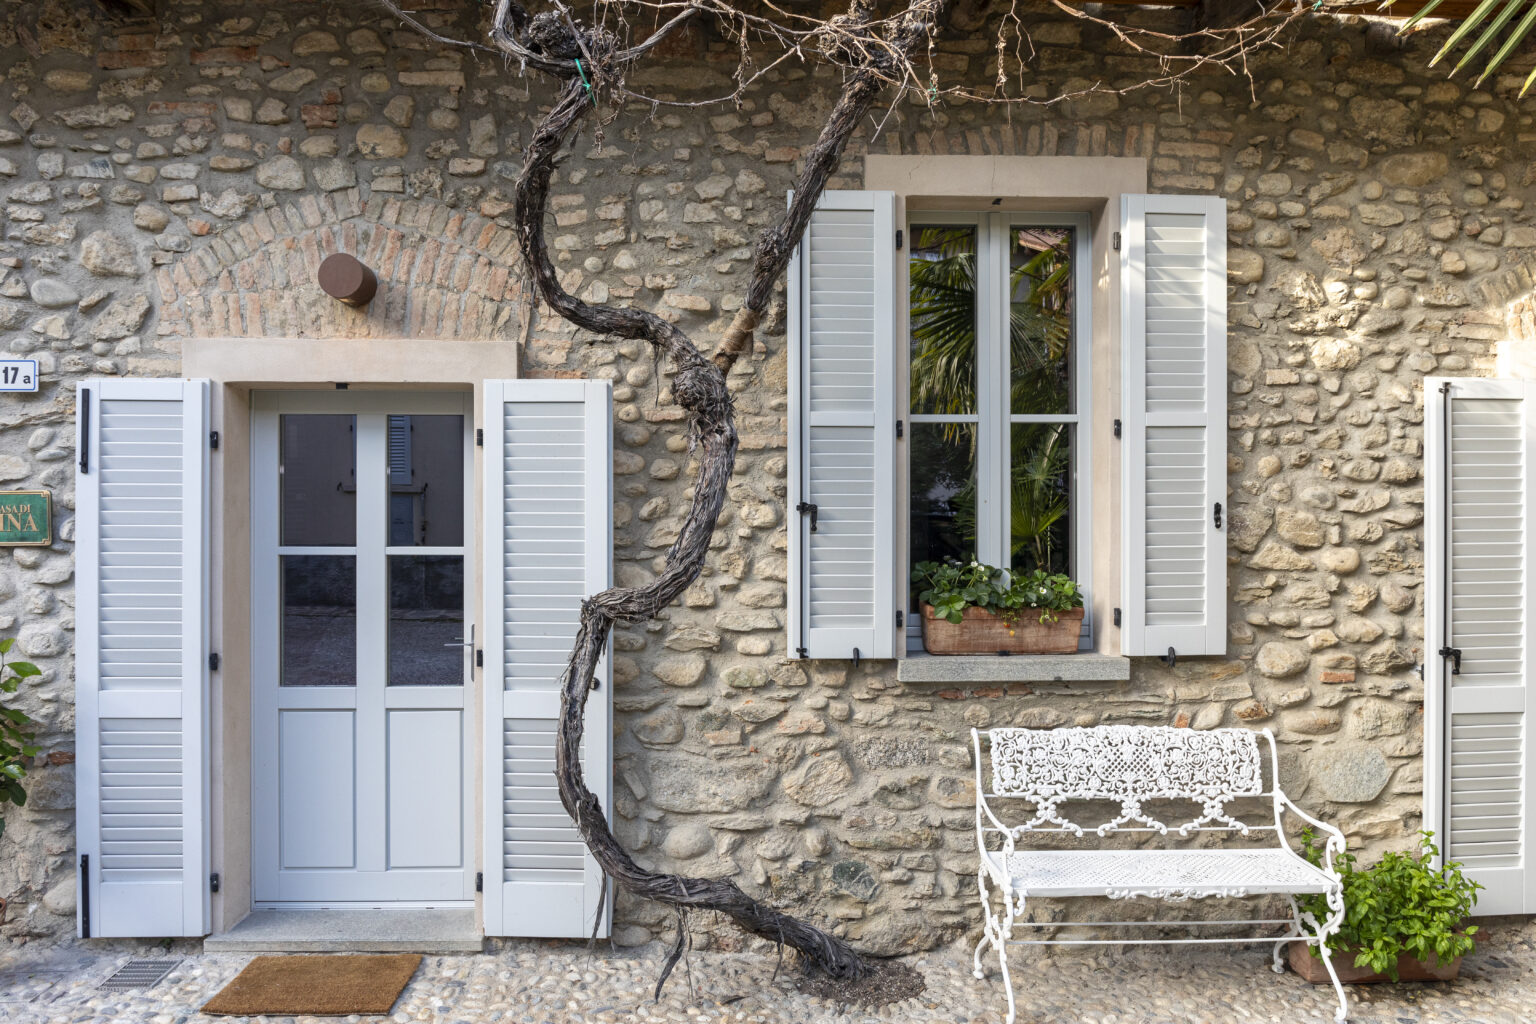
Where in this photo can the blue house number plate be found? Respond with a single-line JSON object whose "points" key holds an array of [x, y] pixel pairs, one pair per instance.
{"points": [[18, 374]]}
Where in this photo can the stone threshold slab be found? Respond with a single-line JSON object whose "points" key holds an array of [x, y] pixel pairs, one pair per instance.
{"points": [[370, 930], [1018, 668]]}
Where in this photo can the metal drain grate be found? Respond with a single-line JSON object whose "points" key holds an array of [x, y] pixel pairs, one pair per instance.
{"points": [[138, 974]]}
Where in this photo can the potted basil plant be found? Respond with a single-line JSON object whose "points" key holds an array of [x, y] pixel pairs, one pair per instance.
{"points": [[1404, 918], [975, 608]]}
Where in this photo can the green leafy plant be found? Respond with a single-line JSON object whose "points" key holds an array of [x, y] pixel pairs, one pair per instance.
{"points": [[15, 730], [953, 586], [1400, 906]]}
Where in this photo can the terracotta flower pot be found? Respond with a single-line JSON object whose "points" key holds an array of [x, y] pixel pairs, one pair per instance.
{"points": [[1408, 969], [981, 632]]}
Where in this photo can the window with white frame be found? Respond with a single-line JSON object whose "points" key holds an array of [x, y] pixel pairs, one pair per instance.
{"points": [[962, 426], [997, 384]]}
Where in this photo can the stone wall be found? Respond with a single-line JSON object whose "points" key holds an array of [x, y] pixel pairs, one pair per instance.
{"points": [[181, 179]]}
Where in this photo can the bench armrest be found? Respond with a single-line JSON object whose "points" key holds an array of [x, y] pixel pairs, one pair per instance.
{"points": [[1333, 839]]}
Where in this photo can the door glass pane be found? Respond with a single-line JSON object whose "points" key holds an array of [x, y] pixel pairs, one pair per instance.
{"points": [[1040, 497], [942, 279], [426, 481], [1040, 311], [943, 492], [426, 616], [318, 480], [319, 641]]}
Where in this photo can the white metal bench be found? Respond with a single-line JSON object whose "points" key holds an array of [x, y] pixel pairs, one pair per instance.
{"points": [[1134, 766]]}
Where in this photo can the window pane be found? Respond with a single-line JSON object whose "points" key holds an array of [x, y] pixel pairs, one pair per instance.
{"points": [[942, 279], [943, 492], [1040, 313], [318, 480], [319, 641], [1040, 497], [426, 481], [426, 613]]}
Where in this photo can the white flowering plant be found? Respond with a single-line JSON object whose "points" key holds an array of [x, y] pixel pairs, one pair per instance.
{"points": [[952, 586]]}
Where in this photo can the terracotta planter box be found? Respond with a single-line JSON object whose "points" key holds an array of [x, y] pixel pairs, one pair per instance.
{"points": [[1408, 969], [981, 632]]}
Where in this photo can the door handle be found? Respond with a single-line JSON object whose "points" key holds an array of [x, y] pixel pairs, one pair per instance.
{"points": [[465, 642]]}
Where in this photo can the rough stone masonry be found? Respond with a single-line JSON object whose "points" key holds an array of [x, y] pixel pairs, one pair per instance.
{"points": [[182, 177]]}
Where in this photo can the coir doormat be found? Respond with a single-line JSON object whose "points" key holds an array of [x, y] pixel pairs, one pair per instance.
{"points": [[324, 986]]}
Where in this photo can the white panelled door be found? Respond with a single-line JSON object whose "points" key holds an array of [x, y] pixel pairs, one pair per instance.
{"points": [[1174, 371], [1480, 699], [843, 597], [549, 545], [363, 648], [141, 657]]}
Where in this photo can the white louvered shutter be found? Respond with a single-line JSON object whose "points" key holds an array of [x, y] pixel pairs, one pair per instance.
{"points": [[1174, 362], [549, 545], [141, 657], [1479, 499], [842, 594]]}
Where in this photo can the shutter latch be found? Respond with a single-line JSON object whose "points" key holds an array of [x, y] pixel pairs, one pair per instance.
{"points": [[1117, 241], [806, 508], [213, 882], [855, 657], [213, 440], [1218, 515], [1454, 653], [1171, 659]]}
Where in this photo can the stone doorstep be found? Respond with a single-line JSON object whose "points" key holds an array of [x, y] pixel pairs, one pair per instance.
{"points": [[370, 930]]}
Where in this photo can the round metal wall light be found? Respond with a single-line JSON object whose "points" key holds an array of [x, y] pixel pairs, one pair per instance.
{"points": [[347, 279]]}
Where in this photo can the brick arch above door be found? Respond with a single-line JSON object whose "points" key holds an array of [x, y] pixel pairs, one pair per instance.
{"points": [[443, 273]]}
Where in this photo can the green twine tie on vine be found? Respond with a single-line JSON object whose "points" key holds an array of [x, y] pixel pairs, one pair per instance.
{"points": [[584, 81]]}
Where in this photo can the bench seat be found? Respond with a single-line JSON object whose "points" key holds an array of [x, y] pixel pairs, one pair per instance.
{"points": [[1052, 873]]}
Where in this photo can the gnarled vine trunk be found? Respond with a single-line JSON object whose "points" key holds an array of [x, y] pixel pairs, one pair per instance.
{"points": [[555, 43]]}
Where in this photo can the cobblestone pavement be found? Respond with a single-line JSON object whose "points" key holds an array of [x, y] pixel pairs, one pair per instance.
{"points": [[546, 983]]}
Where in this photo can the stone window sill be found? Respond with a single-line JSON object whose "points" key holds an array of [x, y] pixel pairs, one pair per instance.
{"points": [[1020, 668]]}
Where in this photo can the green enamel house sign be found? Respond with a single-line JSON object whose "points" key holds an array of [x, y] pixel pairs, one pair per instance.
{"points": [[26, 518]]}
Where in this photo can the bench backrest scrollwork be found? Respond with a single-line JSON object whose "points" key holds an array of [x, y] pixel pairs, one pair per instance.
{"points": [[1130, 765]]}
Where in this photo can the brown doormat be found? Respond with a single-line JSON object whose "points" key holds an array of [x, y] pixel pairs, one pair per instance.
{"points": [[323, 986]]}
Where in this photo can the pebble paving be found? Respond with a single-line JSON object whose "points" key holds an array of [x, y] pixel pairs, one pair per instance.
{"points": [[549, 983]]}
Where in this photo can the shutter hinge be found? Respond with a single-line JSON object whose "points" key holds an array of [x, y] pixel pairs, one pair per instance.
{"points": [[899, 238], [480, 658], [479, 881], [1218, 515], [85, 895], [1117, 428], [900, 618], [1454, 653], [1117, 616], [900, 430], [85, 432], [213, 882], [1117, 241], [801, 652], [213, 440], [213, 662], [806, 508], [479, 437]]}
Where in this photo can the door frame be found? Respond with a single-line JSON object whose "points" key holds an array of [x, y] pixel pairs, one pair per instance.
{"points": [[265, 408]]}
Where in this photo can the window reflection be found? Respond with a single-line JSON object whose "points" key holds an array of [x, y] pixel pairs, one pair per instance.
{"points": [[319, 638], [942, 275], [426, 620], [1040, 310], [426, 481], [318, 480]]}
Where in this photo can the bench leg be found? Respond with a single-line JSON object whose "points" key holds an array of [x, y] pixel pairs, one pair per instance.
{"points": [[1278, 964], [1323, 930], [997, 929]]}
